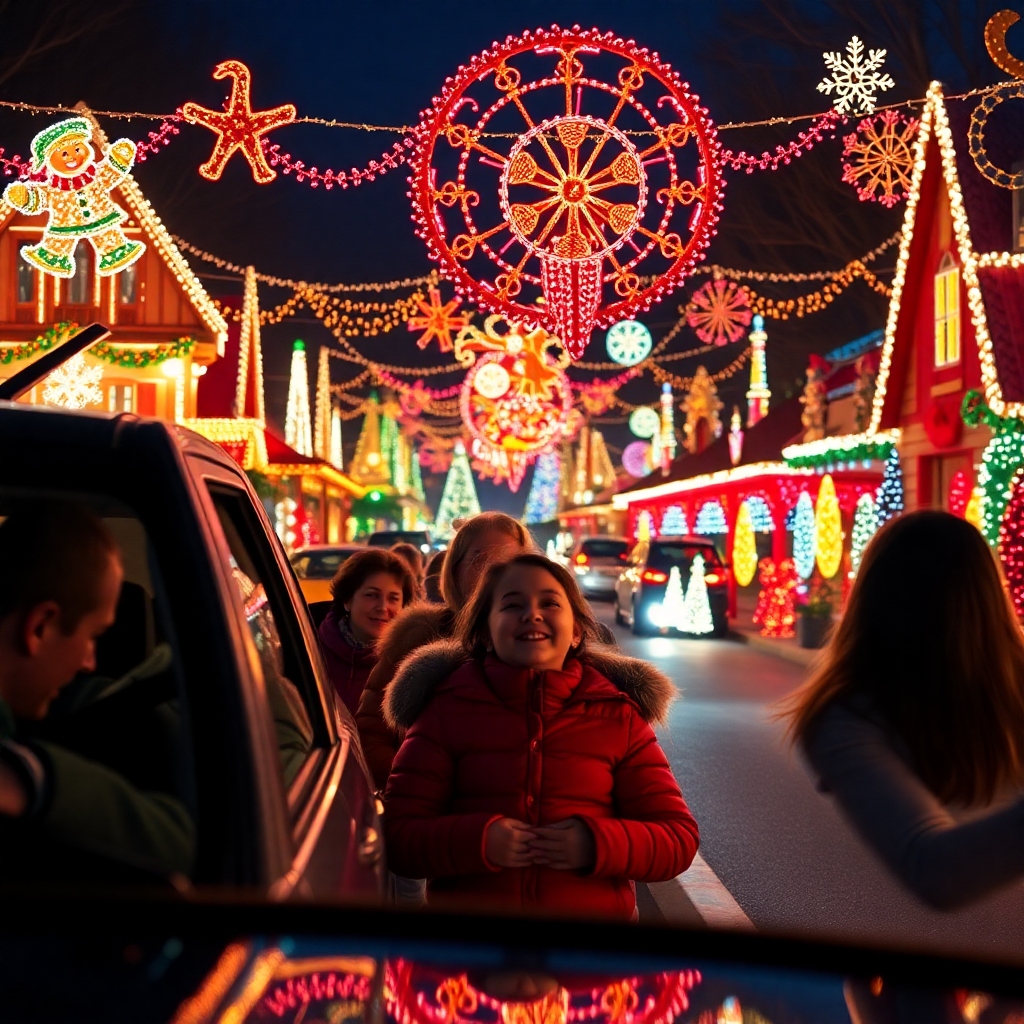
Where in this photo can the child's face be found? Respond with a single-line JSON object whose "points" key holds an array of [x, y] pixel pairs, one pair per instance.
{"points": [[531, 622], [71, 157]]}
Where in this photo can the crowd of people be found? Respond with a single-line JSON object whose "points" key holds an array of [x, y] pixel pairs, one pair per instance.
{"points": [[513, 746]]}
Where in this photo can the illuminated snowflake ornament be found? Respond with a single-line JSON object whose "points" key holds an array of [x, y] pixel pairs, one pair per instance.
{"points": [[628, 342], [719, 312], [883, 157], [74, 385], [856, 81]]}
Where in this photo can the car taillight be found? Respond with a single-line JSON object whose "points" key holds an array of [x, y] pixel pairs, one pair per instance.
{"points": [[712, 579], [582, 559], [653, 576]]}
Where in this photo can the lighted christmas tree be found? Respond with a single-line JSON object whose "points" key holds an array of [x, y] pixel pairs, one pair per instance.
{"points": [[673, 608], [368, 466], [336, 459], [323, 413], [889, 502], [459, 499], [416, 475], [744, 548], [697, 608], [803, 536], [673, 523], [602, 472], [828, 530], [298, 431], [865, 522], [775, 612], [391, 449], [542, 501], [1011, 542]]}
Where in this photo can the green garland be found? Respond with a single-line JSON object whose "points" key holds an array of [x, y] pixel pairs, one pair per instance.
{"points": [[859, 453], [1001, 459], [119, 355], [55, 335], [139, 359]]}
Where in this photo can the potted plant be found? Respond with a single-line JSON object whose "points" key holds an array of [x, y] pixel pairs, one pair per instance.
{"points": [[814, 616]]}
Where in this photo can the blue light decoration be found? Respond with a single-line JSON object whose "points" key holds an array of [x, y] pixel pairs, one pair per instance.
{"points": [[673, 522], [760, 515], [711, 519], [542, 501], [889, 501], [803, 536], [628, 342], [791, 519], [865, 522]]}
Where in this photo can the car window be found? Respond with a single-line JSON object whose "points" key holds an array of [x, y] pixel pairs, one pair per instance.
{"points": [[319, 565], [265, 613], [664, 556], [604, 549]]}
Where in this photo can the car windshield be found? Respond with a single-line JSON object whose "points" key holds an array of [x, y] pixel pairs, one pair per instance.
{"points": [[319, 565]]}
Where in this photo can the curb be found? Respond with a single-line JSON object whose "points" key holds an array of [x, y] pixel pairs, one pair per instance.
{"points": [[781, 649]]}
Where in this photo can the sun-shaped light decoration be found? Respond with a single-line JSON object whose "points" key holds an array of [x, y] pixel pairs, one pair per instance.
{"points": [[571, 165], [719, 312], [882, 152], [438, 320], [515, 401]]}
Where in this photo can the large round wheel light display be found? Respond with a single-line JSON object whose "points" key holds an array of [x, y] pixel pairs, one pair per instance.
{"points": [[515, 400], [568, 165], [644, 422]]}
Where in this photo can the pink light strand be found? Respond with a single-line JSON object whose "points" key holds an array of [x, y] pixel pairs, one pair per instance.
{"points": [[392, 158], [158, 139], [824, 125]]}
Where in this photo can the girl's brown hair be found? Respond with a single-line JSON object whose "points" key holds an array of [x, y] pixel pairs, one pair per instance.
{"points": [[463, 540], [358, 568], [930, 637], [472, 631]]}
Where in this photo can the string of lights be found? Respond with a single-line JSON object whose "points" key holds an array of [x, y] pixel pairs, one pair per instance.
{"points": [[684, 383], [814, 302], [824, 125]]}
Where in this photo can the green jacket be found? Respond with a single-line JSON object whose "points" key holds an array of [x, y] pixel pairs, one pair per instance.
{"points": [[88, 806]]}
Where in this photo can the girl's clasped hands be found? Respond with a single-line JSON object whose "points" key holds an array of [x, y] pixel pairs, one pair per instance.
{"points": [[565, 846]]}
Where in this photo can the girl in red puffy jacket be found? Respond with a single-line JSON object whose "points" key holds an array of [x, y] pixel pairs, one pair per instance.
{"points": [[530, 776]]}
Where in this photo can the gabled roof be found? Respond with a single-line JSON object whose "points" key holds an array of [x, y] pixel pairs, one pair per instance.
{"points": [[982, 227]]}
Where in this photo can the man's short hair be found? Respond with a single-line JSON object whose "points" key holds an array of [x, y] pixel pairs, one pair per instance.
{"points": [[53, 551]]}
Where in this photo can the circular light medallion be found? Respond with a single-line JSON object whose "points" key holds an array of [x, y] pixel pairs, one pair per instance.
{"points": [[491, 381], [636, 459], [628, 342], [644, 422]]}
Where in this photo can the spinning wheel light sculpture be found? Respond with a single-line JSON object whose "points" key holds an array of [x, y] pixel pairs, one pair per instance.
{"points": [[595, 184]]}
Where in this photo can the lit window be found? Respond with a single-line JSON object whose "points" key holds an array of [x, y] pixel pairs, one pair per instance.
{"points": [[127, 284], [78, 286], [26, 282], [120, 398], [947, 313]]}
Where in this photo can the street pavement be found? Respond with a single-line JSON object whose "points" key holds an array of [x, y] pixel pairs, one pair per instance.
{"points": [[778, 846]]}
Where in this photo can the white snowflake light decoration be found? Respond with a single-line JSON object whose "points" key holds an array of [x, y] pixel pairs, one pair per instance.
{"points": [[628, 342], [856, 81], [74, 385]]}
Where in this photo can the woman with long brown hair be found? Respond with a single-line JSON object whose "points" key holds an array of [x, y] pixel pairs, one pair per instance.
{"points": [[915, 715]]}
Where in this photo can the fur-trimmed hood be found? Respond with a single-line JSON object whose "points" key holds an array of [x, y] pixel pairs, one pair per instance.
{"points": [[415, 627], [422, 671]]}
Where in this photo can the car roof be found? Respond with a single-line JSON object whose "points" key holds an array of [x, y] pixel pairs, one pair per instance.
{"points": [[684, 538], [603, 540], [327, 547]]}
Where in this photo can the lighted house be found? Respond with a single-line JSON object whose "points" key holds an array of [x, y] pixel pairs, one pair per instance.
{"points": [[165, 328], [956, 318]]}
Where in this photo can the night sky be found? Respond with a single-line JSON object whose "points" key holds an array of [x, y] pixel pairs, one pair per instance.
{"points": [[381, 63]]}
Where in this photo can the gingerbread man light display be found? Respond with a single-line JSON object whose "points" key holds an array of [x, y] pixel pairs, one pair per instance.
{"points": [[70, 183]]}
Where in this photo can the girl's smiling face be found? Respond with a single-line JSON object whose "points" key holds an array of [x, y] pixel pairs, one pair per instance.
{"points": [[531, 621], [373, 606]]}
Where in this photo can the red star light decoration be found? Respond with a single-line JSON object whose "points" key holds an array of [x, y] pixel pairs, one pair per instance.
{"points": [[438, 321], [238, 127]]}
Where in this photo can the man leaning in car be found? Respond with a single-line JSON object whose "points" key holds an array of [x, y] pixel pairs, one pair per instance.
{"points": [[60, 577]]}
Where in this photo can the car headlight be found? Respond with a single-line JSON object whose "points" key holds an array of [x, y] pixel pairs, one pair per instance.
{"points": [[581, 570], [654, 614]]}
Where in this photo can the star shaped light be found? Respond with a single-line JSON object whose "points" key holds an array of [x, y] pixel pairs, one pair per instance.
{"points": [[238, 127], [438, 321]]}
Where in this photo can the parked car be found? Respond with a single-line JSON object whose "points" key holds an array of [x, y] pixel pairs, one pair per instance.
{"points": [[641, 588], [597, 563], [223, 700], [389, 538], [316, 565]]}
